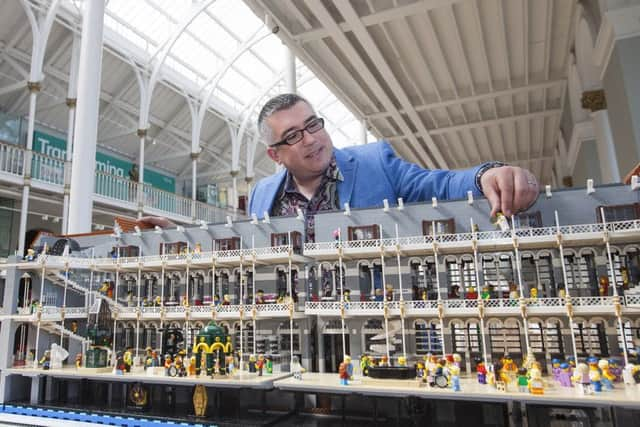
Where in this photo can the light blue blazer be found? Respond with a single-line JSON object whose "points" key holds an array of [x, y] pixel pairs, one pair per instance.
{"points": [[373, 172]]}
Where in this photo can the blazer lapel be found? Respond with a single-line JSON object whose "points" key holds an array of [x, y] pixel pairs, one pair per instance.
{"points": [[348, 166]]}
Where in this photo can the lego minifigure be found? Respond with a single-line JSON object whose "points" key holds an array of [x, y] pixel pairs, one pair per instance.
{"points": [[78, 360], [402, 361], [564, 376], [167, 363], [389, 292], [603, 286], [252, 363], [346, 295], [260, 297], [120, 366], [454, 292], [148, 359], [424, 294], [343, 373], [536, 385], [481, 371], [615, 369], [471, 293], [45, 361], [555, 368], [226, 299], [260, 364], [365, 363], [454, 373], [419, 370], [269, 365], [533, 293], [607, 377], [128, 359], [378, 295], [296, 368], [581, 377], [31, 254], [523, 380], [74, 326], [501, 222], [594, 374], [486, 294]]}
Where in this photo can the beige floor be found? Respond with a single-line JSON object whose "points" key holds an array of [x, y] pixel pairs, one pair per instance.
{"points": [[471, 390]]}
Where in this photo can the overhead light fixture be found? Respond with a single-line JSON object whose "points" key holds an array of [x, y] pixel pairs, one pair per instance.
{"points": [[137, 232], [203, 225], [157, 229]]}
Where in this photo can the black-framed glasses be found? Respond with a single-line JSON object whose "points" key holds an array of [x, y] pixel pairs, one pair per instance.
{"points": [[313, 126]]}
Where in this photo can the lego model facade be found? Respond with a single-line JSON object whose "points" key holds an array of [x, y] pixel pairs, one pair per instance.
{"points": [[395, 284]]}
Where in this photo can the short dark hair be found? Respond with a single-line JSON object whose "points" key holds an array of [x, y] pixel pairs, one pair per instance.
{"points": [[280, 102]]}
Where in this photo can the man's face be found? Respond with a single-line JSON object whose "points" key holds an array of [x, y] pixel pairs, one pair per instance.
{"points": [[308, 158]]}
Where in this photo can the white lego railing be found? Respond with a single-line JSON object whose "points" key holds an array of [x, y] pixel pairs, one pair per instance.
{"points": [[11, 159]]}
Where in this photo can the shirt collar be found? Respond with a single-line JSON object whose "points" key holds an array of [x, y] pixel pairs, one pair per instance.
{"points": [[331, 174]]}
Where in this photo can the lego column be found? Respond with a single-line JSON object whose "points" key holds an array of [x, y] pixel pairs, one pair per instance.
{"points": [[320, 344], [86, 128], [612, 332]]}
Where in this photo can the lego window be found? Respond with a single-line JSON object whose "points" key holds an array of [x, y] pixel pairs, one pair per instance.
{"points": [[459, 335], [591, 340], [247, 337], [125, 251], [536, 338], [618, 212], [229, 244], [499, 276], [625, 268], [629, 332], [427, 280], [553, 338], [581, 273], [453, 280], [282, 239], [173, 248], [443, 226], [505, 338], [528, 219], [364, 232], [428, 337], [475, 338], [468, 278]]}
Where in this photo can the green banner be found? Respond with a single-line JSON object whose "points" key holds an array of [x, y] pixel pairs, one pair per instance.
{"points": [[52, 146]]}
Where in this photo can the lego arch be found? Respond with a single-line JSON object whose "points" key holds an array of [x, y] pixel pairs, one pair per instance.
{"points": [[494, 322], [527, 254], [430, 259], [552, 320], [570, 252], [414, 260], [363, 263], [637, 323], [543, 253], [450, 258], [175, 325], [597, 319], [151, 324], [455, 322], [512, 321], [633, 247], [587, 251], [536, 320], [198, 325]]}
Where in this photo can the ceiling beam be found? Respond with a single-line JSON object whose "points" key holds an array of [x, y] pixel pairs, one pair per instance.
{"points": [[372, 49], [477, 98], [487, 123], [387, 15]]}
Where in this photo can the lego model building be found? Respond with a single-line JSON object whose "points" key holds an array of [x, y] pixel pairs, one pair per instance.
{"points": [[408, 290]]}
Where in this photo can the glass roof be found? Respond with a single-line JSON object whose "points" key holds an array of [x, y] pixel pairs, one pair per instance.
{"points": [[213, 37]]}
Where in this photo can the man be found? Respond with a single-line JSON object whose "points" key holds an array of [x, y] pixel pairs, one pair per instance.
{"points": [[319, 177]]}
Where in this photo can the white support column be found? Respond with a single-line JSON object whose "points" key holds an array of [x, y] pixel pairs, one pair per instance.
{"points": [[72, 93], [194, 180], [595, 101], [86, 128], [606, 150], [290, 71], [363, 131], [34, 88], [142, 134]]}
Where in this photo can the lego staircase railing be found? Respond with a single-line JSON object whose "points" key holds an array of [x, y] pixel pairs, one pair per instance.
{"points": [[58, 329], [58, 279]]}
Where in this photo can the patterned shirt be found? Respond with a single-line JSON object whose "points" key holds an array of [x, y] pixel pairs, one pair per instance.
{"points": [[289, 198]]}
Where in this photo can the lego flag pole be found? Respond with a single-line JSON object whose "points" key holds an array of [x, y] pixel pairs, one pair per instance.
{"points": [[616, 297], [480, 301], [523, 307], [39, 307], [340, 267], [404, 346], [440, 305], [566, 288]]}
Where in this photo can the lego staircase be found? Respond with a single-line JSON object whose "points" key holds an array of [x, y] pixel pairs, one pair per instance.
{"points": [[58, 329], [58, 279]]}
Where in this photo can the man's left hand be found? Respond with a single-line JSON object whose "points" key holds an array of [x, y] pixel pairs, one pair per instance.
{"points": [[509, 189]]}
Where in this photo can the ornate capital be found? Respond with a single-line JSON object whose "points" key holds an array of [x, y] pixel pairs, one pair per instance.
{"points": [[194, 156], [248, 179], [142, 133], [71, 102], [594, 100], [567, 181], [234, 173], [34, 86]]}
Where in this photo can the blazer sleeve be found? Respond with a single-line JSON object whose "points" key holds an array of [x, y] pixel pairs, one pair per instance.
{"points": [[415, 184]]}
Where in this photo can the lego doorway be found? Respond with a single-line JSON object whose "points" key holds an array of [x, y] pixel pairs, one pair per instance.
{"points": [[333, 348]]}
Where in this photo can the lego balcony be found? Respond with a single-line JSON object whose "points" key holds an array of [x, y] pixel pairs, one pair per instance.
{"points": [[572, 235], [228, 258], [206, 312], [469, 307]]}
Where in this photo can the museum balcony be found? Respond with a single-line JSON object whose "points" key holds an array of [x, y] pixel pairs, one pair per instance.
{"points": [[496, 240], [49, 175], [470, 307]]}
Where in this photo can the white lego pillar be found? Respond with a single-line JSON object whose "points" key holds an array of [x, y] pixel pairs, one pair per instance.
{"points": [[86, 128]]}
